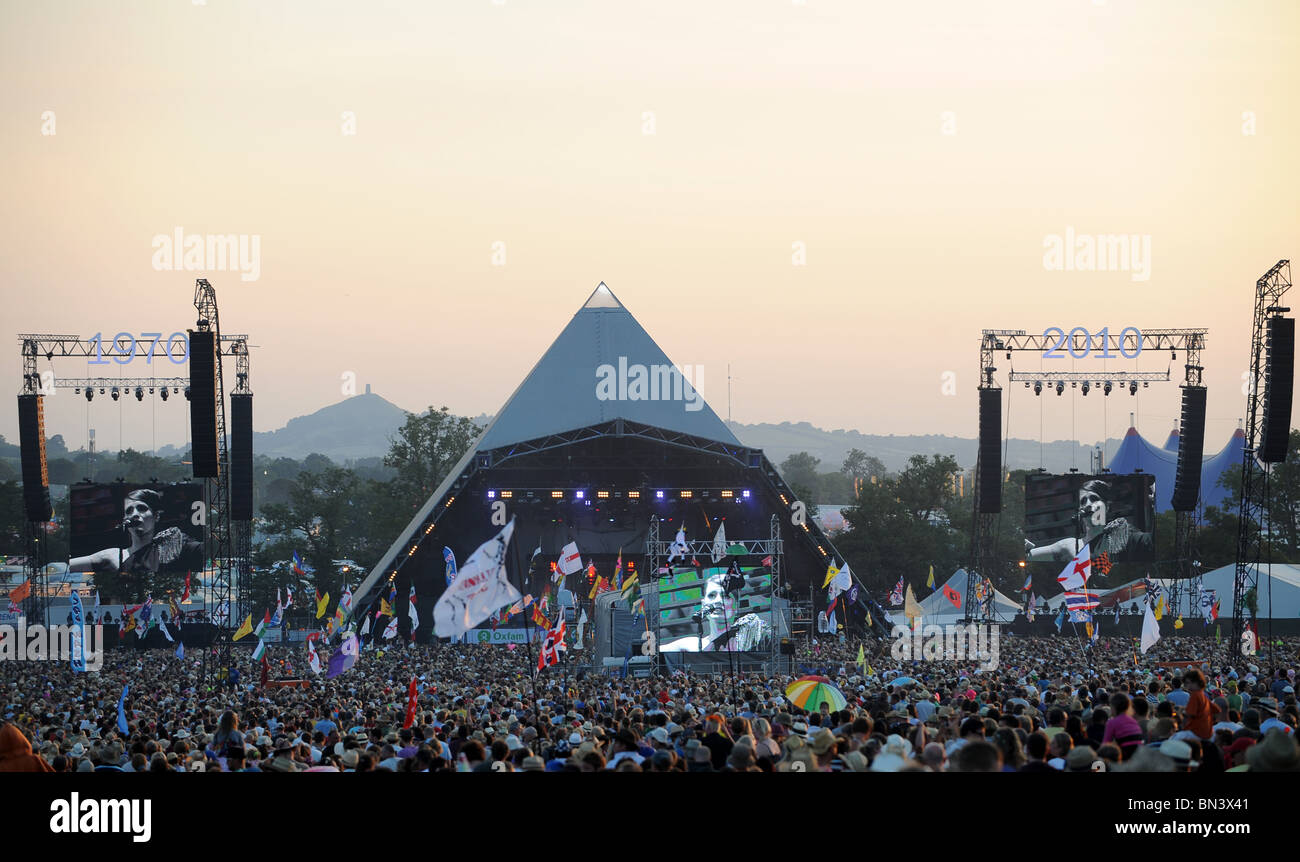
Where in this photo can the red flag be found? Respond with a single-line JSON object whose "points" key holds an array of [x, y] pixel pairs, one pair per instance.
{"points": [[551, 646], [767, 561], [540, 619], [20, 593], [185, 599], [266, 670], [411, 697], [953, 596]]}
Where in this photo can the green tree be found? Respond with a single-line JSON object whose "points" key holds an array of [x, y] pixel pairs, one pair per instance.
{"points": [[800, 473], [861, 466], [426, 448], [324, 514]]}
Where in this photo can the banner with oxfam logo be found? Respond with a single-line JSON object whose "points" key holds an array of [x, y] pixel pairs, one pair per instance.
{"points": [[504, 636]]}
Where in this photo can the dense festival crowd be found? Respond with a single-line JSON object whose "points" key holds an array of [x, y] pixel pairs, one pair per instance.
{"points": [[1050, 705]]}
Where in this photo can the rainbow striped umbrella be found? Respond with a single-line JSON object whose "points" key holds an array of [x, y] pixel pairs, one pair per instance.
{"points": [[810, 692]]}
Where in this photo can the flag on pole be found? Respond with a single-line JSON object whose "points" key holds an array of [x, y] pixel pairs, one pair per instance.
{"points": [[313, 657], [77, 635], [912, 610], [570, 560], [390, 631], [618, 571], [1076, 572], [180, 650], [1029, 584], [1150, 630], [450, 559], [1081, 601], [539, 619], [322, 603], [263, 625], [552, 645], [410, 610], [162, 627], [929, 582], [412, 698], [297, 565], [896, 597], [481, 587], [631, 592], [862, 658], [953, 596], [1029, 608], [185, 597], [345, 657], [678, 548], [720, 542], [21, 592], [245, 628], [260, 650], [121, 711], [1060, 618]]}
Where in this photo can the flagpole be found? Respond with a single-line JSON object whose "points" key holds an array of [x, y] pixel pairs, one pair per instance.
{"points": [[528, 628]]}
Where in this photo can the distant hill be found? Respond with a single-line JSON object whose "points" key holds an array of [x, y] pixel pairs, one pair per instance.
{"points": [[779, 441], [363, 425], [357, 427]]}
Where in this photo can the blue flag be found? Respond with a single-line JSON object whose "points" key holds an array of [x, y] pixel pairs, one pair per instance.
{"points": [[1060, 619], [450, 559], [78, 636], [180, 650], [121, 710], [627, 659]]}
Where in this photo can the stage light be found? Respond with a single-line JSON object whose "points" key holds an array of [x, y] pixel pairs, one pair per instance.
{"points": [[492, 495], [634, 495], [659, 495], [578, 495], [1060, 387], [1132, 387], [116, 393], [686, 495], [90, 393], [187, 393], [507, 495], [602, 495], [77, 391], [1038, 387], [164, 393], [557, 495], [727, 495], [1106, 389], [745, 494], [139, 393], [1086, 387]]}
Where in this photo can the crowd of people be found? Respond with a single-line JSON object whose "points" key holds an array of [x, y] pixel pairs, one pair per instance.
{"points": [[1050, 705]]}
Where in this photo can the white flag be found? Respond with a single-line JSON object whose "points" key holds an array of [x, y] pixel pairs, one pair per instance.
{"points": [[582, 624], [313, 658], [720, 542], [840, 583], [390, 631], [415, 618], [678, 548], [570, 559], [1076, 572], [162, 625], [480, 589], [1150, 630], [365, 627]]}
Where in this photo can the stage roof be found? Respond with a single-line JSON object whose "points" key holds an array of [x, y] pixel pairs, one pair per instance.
{"points": [[559, 394]]}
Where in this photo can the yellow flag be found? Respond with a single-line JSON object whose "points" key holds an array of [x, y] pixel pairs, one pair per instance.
{"points": [[911, 609], [870, 671], [868, 619], [862, 657], [1178, 623], [831, 572], [1160, 608], [322, 605], [244, 629], [930, 581], [1088, 628], [385, 609]]}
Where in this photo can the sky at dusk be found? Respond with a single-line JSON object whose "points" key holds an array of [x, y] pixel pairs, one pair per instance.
{"points": [[833, 198]]}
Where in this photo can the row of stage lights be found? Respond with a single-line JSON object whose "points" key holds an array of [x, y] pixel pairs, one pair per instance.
{"points": [[585, 497], [1087, 386], [116, 392]]}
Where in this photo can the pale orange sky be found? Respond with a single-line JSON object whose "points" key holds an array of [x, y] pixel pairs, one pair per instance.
{"points": [[774, 122]]}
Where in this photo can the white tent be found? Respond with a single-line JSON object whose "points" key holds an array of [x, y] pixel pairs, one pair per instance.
{"points": [[938, 609], [1285, 592]]}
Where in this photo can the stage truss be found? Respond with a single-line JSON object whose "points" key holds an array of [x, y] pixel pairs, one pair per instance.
{"points": [[228, 543], [983, 554], [1269, 290]]}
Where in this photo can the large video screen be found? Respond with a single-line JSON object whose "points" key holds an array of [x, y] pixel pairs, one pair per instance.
{"points": [[714, 609], [136, 539], [1113, 514]]}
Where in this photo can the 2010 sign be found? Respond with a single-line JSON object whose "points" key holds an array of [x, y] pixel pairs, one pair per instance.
{"points": [[1071, 343]]}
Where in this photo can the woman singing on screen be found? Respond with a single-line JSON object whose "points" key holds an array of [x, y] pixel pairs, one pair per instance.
{"points": [[1117, 537], [151, 552]]}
